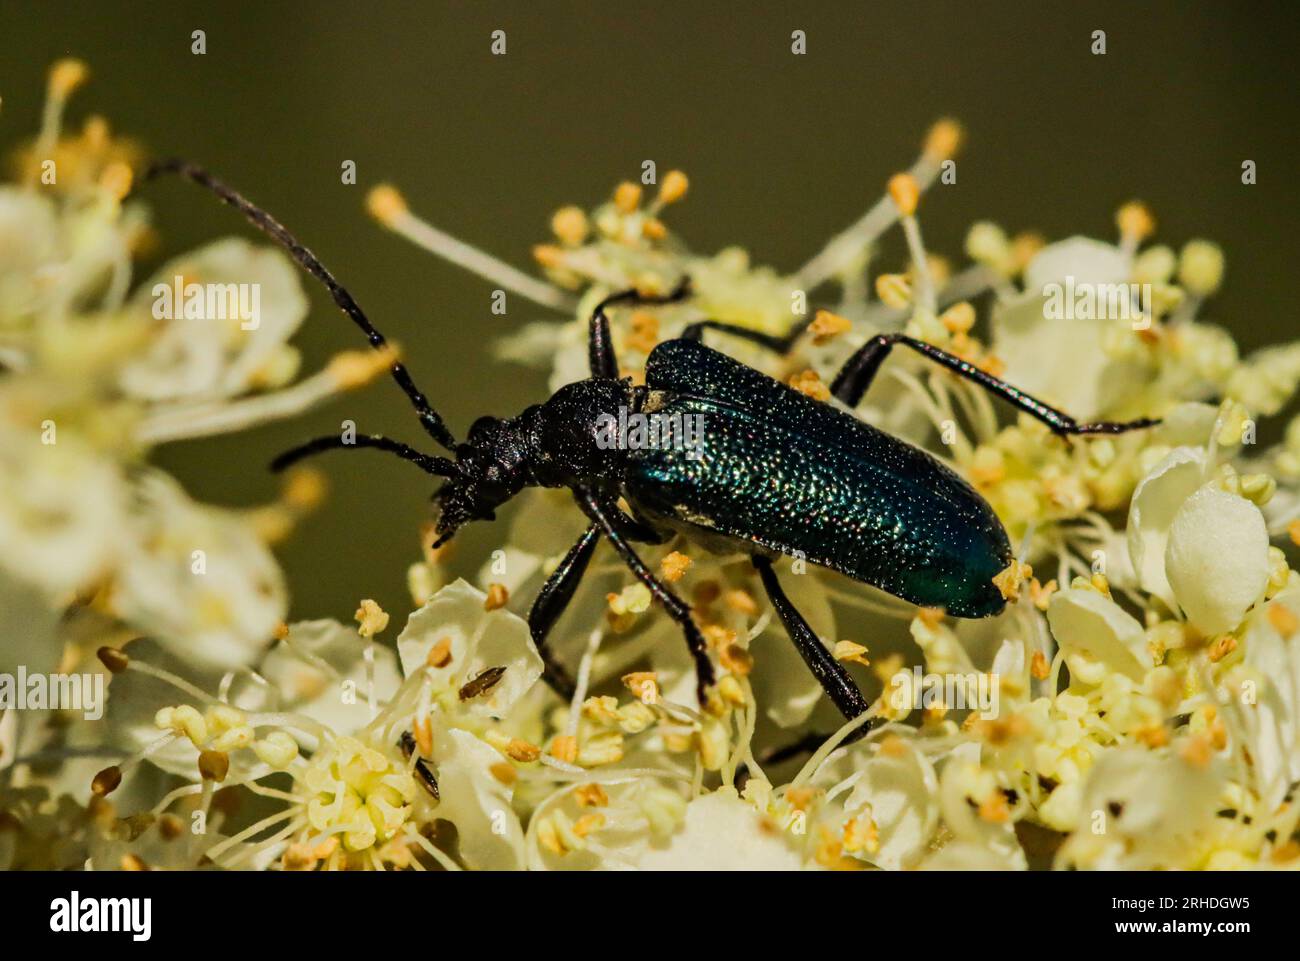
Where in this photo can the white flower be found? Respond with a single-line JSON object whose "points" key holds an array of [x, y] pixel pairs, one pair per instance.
{"points": [[62, 511], [1142, 810], [721, 832], [455, 640], [198, 578], [1062, 358], [885, 807], [208, 357]]}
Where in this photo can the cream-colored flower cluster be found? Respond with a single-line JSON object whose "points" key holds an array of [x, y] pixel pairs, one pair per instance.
{"points": [[1146, 669], [96, 544]]}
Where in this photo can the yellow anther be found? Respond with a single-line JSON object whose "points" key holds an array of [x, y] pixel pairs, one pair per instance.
{"points": [[386, 204], [959, 318], [809, 384], [1009, 580], [522, 751], [644, 685], [674, 566], [1135, 220], [1200, 267], [943, 140], [304, 490], [653, 229], [849, 651], [826, 326], [590, 796], [1040, 668], [277, 749], [548, 255], [905, 192], [627, 197], [894, 290], [66, 76], [565, 748], [737, 660], [570, 225], [356, 368], [116, 178], [497, 597], [674, 187], [371, 618], [440, 653]]}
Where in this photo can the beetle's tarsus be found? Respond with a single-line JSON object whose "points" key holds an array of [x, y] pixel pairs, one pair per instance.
{"points": [[858, 372]]}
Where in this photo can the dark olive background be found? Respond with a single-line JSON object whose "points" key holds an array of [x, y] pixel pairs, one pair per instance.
{"points": [[782, 150]]}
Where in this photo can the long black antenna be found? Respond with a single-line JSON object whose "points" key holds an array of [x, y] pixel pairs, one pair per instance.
{"points": [[429, 463], [430, 419]]}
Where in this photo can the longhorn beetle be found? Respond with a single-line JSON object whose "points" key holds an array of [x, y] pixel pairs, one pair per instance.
{"points": [[777, 472]]}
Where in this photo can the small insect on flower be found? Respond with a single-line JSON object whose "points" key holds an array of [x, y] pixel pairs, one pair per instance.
{"points": [[775, 473]]}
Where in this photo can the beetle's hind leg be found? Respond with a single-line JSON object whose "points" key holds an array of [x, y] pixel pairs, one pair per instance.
{"points": [[851, 383], [605, 516], [830, 673]]}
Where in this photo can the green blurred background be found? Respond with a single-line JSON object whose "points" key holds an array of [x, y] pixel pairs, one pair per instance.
{"points": [[782, 150]]}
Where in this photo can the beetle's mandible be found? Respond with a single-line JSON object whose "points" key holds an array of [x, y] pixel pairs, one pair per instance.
{"points": [[775, 473]]}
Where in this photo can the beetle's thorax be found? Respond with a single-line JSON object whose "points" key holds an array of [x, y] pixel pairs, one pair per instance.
{"points": [[555, 444], [563, 437]]}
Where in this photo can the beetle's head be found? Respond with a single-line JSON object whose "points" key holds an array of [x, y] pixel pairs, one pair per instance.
{"points": [[489, 470]]}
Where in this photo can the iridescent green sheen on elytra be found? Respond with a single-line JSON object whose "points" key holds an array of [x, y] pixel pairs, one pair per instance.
{"points": [[783, 472]]}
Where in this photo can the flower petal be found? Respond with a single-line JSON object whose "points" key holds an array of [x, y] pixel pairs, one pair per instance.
{"points": [[1217, 558]]}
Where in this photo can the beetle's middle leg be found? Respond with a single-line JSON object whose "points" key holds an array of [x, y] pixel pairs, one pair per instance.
{"points": [[603, 515], [860, 370], [830, 673], [550, 603]]}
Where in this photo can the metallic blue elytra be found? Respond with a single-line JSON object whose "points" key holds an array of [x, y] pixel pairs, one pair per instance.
{"points": [[779, 471]]}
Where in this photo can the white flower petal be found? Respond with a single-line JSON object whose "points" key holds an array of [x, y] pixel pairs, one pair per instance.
{"points": [[1155, 502], [724, 833], [1090, 625], [1217, 558], [198, 578], [1086, 260], [320, 671], [491, 838], [902, 791]]}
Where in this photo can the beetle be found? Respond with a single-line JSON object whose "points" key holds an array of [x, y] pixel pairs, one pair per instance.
{"points": [[776, 472]]}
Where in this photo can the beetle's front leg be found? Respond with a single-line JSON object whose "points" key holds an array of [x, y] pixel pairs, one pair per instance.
{"points": [[851, 383], [830, 673], [551, 602], [603, 515]]}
